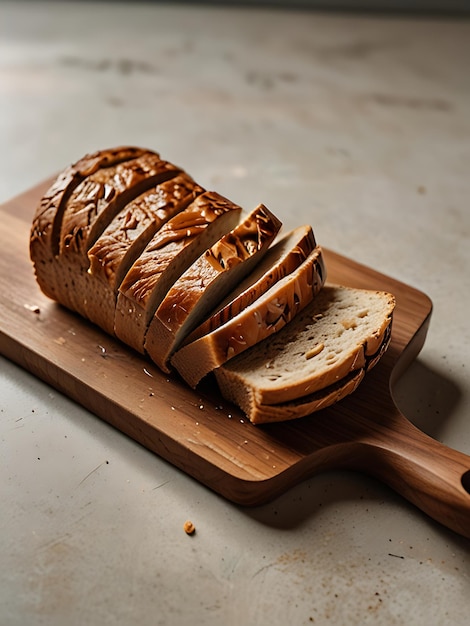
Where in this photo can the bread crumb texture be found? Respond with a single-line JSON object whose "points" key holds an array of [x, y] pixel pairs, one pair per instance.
{"points": [[338, 320]]}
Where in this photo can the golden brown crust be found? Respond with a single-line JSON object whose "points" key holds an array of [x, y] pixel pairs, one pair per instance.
{"points": [[270, 413], [169, 253], [247, 239], [90, 208], [134, 226], [126, 237], [45, 230], [207, 281], [282, 259], [265, 317], [96, 201]]}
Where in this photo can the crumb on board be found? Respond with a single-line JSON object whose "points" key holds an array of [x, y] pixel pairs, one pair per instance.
{"points": [[189, 528], [33, 308]]}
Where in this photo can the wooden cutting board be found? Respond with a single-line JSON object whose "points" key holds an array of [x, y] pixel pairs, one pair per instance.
{"points": [[203, 435]]}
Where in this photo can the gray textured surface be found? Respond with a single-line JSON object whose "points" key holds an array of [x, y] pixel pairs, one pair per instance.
{"points": [[359, 126]]}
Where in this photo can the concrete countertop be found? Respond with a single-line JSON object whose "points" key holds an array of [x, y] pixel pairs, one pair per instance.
{"points": [[357, 125]]}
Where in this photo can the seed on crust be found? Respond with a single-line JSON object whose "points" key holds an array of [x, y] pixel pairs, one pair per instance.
{"points": [[314, 351]]}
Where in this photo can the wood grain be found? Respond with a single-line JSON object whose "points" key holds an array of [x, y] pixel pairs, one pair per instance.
{"points": [[203, 435]]}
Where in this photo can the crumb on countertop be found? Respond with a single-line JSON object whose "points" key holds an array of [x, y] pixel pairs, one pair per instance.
{"points": [[189, 528]]}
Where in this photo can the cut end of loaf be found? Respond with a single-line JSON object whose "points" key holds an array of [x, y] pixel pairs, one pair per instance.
{"points": [[335, 335]]}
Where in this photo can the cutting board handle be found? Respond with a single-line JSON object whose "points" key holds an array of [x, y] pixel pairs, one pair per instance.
{"points": [[429, 474]]}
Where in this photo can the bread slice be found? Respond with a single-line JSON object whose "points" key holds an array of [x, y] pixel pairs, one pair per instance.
{"points": [[306, 405], [263, 318], [286, 255], [102, 194], [125, 238], [47, 221], [295, 409], [90, 208], [335, 335], [207, 281], [169, 253]]}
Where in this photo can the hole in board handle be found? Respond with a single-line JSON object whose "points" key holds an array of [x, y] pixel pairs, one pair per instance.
{"points": [[466, 481]]}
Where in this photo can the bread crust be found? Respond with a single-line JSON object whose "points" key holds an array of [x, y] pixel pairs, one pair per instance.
{"points": [[90, 208], [207, 281], [126, 237], [264, 317], [285, 256], [303, 407], [169, 253], [47, 221]]}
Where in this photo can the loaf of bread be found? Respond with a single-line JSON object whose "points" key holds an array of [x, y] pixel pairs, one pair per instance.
{"points": [[320, 356], [183, 275]]}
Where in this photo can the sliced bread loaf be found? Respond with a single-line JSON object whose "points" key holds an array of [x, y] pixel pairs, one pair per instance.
{"points": [[335, 335], [264, 317], [126, 237], [131, 242], [203, 285], [169, 253]]}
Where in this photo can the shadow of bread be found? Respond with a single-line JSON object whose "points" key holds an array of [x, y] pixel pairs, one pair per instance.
{"points": [[427, 397]]}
